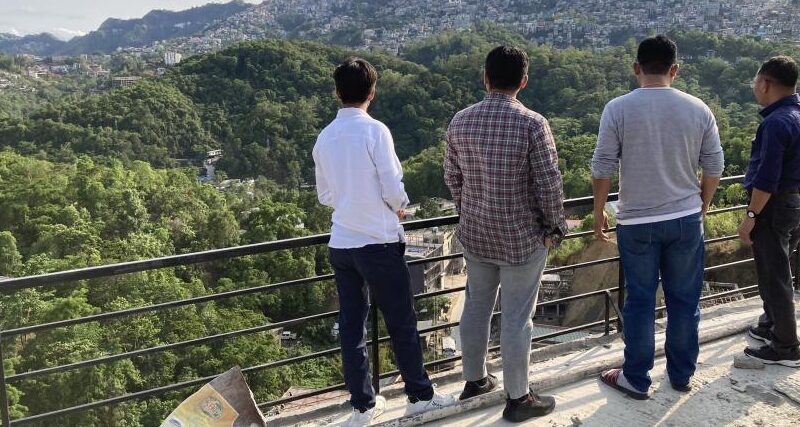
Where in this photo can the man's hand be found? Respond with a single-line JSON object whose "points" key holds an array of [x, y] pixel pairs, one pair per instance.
{"points": [[548, 242], [745, 228], [401, 214], [600, 226]]}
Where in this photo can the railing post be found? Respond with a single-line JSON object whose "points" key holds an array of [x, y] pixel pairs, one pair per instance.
{"points": [[607, 299], [6, 413], [376, 356], [620, 295]]}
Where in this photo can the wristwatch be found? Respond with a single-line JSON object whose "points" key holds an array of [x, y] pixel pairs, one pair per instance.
{"points": [[751, 214]]}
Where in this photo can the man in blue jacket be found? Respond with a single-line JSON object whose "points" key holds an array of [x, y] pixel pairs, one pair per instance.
{"points": [[772, 224]]}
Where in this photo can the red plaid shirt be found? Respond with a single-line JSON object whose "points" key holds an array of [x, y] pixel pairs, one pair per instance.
{"points": [[501, 167]]}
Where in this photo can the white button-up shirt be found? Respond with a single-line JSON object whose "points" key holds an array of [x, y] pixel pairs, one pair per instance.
{"points": [[360, 177]]}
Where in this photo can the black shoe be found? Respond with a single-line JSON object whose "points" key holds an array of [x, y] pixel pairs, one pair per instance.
{"points": [[760, 333], [769, 356], [533, 406], [472, 389], [682, 388]]}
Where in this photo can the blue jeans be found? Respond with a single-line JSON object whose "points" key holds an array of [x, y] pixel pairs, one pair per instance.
{"points": [[383, 268], [675, 249]]}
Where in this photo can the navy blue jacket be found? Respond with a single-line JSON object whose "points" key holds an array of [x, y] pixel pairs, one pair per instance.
{"points": [[775, 157]]}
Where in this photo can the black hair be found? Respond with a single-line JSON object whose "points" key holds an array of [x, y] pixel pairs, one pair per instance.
{"points": [[656, 55], [355, 79], [506, 66], [781, 69]]}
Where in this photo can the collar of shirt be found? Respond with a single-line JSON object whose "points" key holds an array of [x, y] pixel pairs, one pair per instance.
{"points": [[499, 96], [350, 112], [788, 100]]}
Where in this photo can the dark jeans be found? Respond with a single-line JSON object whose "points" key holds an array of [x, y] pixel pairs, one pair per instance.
{"points": [[775, 236], [674, 248], [383, 268]]}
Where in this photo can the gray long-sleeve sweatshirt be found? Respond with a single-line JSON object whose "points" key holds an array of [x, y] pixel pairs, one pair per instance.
{"points": [[658, 139]]}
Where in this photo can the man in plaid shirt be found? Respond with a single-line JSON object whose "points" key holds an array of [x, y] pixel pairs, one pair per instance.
{"points": [[501, 167]]}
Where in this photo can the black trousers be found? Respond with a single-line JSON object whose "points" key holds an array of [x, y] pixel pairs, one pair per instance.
{"points": [[383, 268], [775, 236]]}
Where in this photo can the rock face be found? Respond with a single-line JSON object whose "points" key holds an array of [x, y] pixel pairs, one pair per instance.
{"points": [[604, 276], [743, 361]]}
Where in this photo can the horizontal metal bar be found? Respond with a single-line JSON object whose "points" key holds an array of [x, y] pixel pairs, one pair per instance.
{"points": [[575, 297], [721, 239], [723, 210], [14, 284], [290, 399], [173, 346], [742, 291], [164, 306], [582, 265], [438, 293], [730, 264], [435, 259], [587, 201], [113, 401], [731, 179]]}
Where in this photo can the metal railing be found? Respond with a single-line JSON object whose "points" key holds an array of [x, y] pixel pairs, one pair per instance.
{"points": [[63, 278]]}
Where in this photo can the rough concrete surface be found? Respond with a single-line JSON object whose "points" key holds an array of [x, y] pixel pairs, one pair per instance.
{"points": [[722, 395]]}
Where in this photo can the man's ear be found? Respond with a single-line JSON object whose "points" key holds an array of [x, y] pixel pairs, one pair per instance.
{"points": [[338, 94], [673, 70], [524, 82], [486, 80], [372, 93], [637, 69]]}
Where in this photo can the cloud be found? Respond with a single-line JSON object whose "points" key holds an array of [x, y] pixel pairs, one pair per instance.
{"points": [[66, 33]]}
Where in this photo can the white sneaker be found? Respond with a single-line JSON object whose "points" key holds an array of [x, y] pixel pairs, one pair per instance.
{"points": [[438, 401], [363, 419]]}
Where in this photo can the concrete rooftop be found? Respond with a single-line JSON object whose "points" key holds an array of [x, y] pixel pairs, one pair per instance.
{"points": [[722, 395]]}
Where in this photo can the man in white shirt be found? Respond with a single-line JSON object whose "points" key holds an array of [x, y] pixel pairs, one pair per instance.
{"points": [[360, 177]]}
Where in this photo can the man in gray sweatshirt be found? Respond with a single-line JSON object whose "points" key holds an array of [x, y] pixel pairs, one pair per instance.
{"points": [[658, 138]]}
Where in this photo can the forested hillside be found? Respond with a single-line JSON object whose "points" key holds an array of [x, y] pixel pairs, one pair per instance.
{"points": [[90, 180]]}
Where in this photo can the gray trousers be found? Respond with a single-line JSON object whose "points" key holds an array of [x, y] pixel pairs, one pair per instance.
{"points": [[520, 284]]}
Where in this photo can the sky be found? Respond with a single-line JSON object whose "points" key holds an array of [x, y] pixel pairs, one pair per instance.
{"points": [[68, 18]]}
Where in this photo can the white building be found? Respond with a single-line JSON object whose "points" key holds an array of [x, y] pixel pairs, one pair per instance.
{"points": [[172, 58]]}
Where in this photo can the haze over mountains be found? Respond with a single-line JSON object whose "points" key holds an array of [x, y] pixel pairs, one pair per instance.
{"points": [[115, 33]]}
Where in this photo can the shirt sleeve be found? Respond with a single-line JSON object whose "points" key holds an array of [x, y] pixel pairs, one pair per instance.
{"points": [[453, 177], [390, 171], [324, 194], [548, 191], [712, 158], [772, 147], [605, 162]]}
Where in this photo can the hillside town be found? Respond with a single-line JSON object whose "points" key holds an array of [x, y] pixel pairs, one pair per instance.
{"points": [[560, 23]]}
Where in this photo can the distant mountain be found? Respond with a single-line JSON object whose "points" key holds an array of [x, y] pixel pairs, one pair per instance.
{"points": [[37, 44], [115, 33]]}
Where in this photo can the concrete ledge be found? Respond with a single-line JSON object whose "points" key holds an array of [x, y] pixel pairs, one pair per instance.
{"points": [[325, 413], [552, 367], [568, 376]]}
